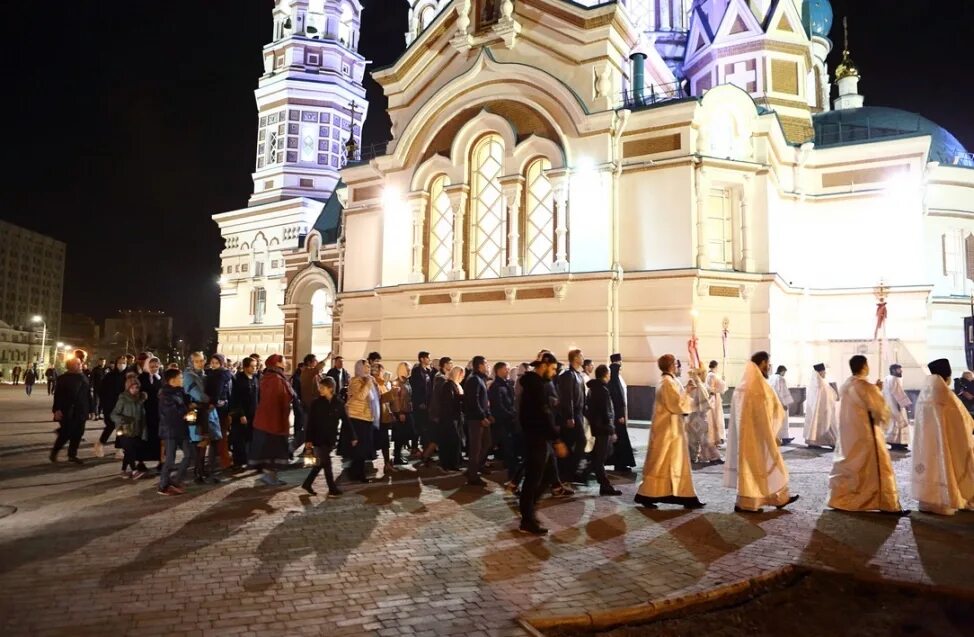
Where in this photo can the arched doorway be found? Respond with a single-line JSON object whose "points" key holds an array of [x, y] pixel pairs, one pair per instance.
{"points": [[308, 311]]}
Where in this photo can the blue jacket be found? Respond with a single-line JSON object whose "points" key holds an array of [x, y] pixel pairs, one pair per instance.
{"points": [[195, 386]]}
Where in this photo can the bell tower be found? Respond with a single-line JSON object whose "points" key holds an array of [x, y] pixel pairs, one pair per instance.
{"points": [[310, 99]]}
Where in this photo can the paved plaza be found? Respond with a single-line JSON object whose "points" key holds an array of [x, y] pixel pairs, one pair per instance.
{"points": [[88, 553]]}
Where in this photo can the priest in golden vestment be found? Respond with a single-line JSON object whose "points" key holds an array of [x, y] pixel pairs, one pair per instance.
{"points": [[862, 476], [754, 466], [667, 472]]}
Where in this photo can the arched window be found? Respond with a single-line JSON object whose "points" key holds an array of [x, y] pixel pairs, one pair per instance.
{"points": [[258, 304], [440, 240], [346, 27], [488, 221], [426, 16], [539, 219], [321, 307]]}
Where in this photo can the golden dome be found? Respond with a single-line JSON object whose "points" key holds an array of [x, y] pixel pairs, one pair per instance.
{"points": [[846, 68]]}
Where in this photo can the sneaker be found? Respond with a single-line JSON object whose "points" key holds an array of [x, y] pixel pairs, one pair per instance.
{"points": [[169, 491], [334, 493], [610, 491], [307, 487], [99, 449], [532, 528], [137, 474]]}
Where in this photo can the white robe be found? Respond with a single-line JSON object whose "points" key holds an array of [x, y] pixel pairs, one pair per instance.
{"points": [[716, 386], [698, 427], [943, 450], [780, 387], [820, 413], [862, 476], [754, 466], [897, 401], [667, 470]]}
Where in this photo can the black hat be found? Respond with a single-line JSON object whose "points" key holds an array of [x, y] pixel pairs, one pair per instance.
{"points": [[546, 359], [940, 367], [615, 358], [820, 367]]}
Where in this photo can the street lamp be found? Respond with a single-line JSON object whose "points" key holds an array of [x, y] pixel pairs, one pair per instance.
{"points": [[40, 319]]}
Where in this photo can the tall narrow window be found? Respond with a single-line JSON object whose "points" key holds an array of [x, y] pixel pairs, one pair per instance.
{"points": [[346, 30], [969, 247], [539, 219], [258, 304], [488, 236], [719, 229], [440, 240]]}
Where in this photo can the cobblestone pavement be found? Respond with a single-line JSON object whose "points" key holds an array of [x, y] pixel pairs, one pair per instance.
{"points": [[87, 552]]}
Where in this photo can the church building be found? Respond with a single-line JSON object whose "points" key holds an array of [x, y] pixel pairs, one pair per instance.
{"points": [[631, 175]]}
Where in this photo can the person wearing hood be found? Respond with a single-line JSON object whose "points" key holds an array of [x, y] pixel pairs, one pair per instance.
{"points": [[862, 476], [821, 419], [754, 466], [943, 447], [205, 431], [622, 458], [272, 424], [898, 436], [129, 416], [667, 472], [112, 386], [601, 418]]}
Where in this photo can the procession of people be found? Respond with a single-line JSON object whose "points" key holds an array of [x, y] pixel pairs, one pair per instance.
{"points": [[552, 426]]}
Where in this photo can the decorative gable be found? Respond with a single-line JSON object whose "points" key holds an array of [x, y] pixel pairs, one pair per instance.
{"points": [[785, 23], [699, 38], [738, 23]]}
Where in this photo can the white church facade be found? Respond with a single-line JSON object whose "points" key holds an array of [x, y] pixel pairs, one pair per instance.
{"points": [[624, 176]]}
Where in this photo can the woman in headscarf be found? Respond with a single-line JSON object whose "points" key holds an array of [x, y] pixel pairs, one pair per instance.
{"points": [[383, 384], [403, 431], [205, 432], [272, 423], [451, 420], [151, 382], [364, 414]]}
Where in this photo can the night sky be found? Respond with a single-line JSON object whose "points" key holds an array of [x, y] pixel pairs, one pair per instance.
{"points": [[134, 122]]}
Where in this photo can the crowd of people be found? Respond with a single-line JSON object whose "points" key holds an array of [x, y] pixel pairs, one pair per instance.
{"points": [[552, 426]]}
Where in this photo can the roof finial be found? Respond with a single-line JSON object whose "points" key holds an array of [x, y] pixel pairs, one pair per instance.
{"points": [[846, 68]]}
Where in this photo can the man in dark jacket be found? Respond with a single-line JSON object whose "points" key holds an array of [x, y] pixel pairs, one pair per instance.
{"points": [[243, 404], [96, 379], [506, 433], [421, 386], [446, 364], [339, 374], [601, 418], [622, 457], [537, 416], [571, 409], [72, 406], [51, 376], [111, 387], [476, 414], [964, 388]]}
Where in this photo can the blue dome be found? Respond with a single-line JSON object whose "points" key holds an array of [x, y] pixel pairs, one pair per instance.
{"points": [[817, 17], [870, 123]]}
